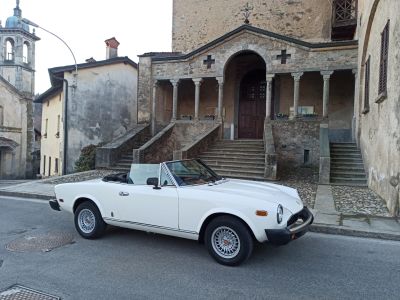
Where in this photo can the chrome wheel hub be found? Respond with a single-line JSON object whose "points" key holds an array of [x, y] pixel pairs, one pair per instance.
{"points": [[86, 220], [225, 242]]}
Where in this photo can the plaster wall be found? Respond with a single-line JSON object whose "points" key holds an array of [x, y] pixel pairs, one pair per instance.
{"points": [[102, 106], [15, 127], [198, 22], [378, 131], [52, 136]]}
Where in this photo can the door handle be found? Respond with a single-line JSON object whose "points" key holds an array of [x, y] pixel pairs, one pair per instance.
{"points": [[123, 194]]}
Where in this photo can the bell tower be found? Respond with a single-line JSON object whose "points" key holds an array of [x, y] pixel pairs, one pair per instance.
{"points": [[17, 53]]}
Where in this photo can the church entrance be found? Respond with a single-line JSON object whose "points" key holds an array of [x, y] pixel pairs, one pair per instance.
{"points": [[252, 105]]}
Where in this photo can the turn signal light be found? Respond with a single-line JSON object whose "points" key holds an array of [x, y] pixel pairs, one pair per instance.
{"points": [[261, 213]]}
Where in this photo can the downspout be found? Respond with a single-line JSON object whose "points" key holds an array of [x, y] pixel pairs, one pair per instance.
{"points": [[65, 119]]}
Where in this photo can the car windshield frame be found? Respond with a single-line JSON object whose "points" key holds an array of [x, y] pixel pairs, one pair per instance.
{"points": [[197, 172]]}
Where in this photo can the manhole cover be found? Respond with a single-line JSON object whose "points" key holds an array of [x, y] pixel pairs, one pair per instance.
{"points": [[40, 242], [18, 292]]}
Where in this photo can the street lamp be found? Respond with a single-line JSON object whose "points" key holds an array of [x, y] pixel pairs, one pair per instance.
{"points": [[26, 21], [65, 118]]}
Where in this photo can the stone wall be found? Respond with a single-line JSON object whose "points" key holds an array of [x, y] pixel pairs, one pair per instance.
{"points": [[292, 138], [198, 22], [17, 127], [378, 130]]}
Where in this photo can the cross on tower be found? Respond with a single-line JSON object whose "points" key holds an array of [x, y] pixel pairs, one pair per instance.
{"points": [[209, 61], [283, 57]]}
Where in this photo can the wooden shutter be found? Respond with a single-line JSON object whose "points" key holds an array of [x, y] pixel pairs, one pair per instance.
{"points": [[366, 85], [384, 60]]}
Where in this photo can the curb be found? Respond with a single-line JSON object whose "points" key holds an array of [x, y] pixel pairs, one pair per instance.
{"points": [[26, 195], [340, 230]]}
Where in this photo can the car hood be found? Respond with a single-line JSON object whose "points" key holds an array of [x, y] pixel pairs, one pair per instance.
{"points": [[262, 191]]}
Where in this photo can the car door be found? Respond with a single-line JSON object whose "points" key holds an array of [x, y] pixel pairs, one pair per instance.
{"points": [[148, 205]]}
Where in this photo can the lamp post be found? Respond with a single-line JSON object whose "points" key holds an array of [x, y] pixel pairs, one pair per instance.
{"points": [[29, 22], [65, 148]]}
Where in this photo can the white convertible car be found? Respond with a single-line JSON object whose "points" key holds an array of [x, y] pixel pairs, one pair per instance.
{"points": [[187, 199]]}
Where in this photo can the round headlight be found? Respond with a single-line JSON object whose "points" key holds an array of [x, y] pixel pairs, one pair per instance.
{"points": [[279, 214]]}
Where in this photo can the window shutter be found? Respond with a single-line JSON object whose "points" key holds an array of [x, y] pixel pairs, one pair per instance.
{"points": [[383, 65]]}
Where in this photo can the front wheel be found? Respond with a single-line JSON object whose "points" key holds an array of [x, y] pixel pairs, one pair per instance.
{"points": [[228, 240], [88, 221]]}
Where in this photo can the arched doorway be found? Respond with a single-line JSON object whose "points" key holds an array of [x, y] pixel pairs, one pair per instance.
{"points": [[245, 94], [252, 105]]}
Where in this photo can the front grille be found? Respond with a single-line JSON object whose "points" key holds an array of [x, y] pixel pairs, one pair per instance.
{"points": [[300, 215]]}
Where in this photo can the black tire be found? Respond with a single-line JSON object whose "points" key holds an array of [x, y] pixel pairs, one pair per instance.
{"points": [[94, 227], [237, 236]]}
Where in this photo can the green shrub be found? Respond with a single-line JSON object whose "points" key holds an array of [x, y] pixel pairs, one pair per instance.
{"points": [[87, 159]]}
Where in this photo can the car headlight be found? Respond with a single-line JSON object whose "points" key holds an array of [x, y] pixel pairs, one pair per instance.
{"points": [[279, 214]]}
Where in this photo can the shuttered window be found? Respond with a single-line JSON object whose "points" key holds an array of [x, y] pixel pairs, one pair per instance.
{"points": [[384, 60], [366, 85]]}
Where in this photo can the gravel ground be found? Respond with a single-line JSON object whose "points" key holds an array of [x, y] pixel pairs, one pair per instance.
{"points": [[83, 176], [305, 180], [355, 200]]}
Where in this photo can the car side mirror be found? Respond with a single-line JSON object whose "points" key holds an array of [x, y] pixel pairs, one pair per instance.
{"points": [[153, 181]]}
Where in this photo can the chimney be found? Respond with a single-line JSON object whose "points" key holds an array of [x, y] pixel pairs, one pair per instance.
{"points": [[112, 48]]}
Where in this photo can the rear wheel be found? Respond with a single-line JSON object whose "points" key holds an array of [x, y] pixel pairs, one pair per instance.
{"points": [[228, 240], [88, 221]]}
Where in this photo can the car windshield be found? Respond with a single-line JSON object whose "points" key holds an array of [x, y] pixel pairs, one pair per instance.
{"points": [[192, 172]]}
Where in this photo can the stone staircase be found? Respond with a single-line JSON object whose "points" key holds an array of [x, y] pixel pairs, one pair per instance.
{"points": [[347, 167], [124, 164], [237, 159]]}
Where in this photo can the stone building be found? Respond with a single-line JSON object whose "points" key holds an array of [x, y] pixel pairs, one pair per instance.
{"points": [[99, 104], [274, 71], [17, 79], [378, 96]]}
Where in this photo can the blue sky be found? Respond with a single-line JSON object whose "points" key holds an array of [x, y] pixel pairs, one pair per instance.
{"points": [[140, 26]]}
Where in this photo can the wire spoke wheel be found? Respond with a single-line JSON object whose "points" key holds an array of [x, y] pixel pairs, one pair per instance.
{"points": [[225, 242], [86, 220]]}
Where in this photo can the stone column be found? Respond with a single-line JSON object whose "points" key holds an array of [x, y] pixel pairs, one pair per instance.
{"points": [[153, 108], [296, 93], [325, 100], [268, 95], [220, 97], [197, 83], [175, 84]]}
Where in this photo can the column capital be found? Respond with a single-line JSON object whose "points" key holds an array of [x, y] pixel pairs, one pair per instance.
{"points": [[174, 82], [326, 74], [354, 71], [269, 76], [297, 75], [197, 81], [156, 83], [220, 80]]}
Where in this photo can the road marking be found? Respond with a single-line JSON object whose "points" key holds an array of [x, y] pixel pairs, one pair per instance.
{"points": [[24, 199]]}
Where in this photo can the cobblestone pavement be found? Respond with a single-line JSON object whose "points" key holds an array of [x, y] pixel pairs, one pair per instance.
{"points": [[305, 180], [351, 200], [83, 176]]}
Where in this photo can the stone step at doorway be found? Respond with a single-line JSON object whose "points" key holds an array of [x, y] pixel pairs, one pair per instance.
{"points": [[244, 159]]}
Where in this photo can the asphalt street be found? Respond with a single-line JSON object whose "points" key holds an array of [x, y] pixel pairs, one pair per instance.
{"points": [[127, 264]]}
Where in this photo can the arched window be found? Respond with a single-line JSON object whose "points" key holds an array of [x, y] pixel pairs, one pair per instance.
{"points": [[26, 57], [9, 49]]}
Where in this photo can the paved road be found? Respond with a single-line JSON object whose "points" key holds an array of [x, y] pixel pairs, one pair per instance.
{"points": [[134, 265], [6, 183]]}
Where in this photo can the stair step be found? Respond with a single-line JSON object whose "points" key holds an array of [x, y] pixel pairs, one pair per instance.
{"points": [[233, 154], [349, 179], [352, 175], [346, 159], [233, 159], [236, 170], [340, 151], [236, 148], [347, 169], [240, 166]]}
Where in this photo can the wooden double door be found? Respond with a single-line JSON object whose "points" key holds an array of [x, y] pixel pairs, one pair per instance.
{"points": [[252, 105]]}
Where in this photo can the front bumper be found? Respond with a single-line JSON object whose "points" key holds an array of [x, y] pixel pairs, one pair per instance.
{"points": [[54, 205], [293, 230]]}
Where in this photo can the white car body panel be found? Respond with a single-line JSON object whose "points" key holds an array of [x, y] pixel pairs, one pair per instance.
{"points": [[181, 210]]}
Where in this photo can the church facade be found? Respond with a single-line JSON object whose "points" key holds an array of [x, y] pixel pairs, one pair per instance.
{"points": [[17, 79], [273, 71]]}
